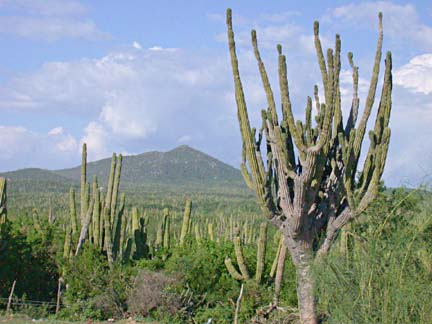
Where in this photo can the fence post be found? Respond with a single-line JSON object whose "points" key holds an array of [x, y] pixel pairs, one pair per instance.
{"points": [[10, 297], [60, 283]]}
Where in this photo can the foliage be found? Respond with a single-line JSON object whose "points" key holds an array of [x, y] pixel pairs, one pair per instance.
{"points": [[385, 275]]}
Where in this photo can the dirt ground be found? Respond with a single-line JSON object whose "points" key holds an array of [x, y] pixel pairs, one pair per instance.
{"points": [[19, 319]]}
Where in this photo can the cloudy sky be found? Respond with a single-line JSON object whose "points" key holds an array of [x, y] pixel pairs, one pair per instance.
{"points": [[135, 76]]}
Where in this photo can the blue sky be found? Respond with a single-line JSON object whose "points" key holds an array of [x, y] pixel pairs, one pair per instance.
{"points": [[143, 75]]}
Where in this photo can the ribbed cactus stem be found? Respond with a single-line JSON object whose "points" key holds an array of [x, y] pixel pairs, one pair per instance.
{"points": [[67, 242], [261, 252], [240, 258], [108, 197], [279, 273], [115, 189], [108, 236], [186, 221], [85, 227], [83, 191], [232, 270], [210, 231], [72, 212], [276, 258], [3, 201], [166, 237], [96, 214], [197, 233], [118, 223]]}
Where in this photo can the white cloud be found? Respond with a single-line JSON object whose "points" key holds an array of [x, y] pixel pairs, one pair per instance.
{"points": [[96, 138], [136, 45], [48, 20], [22, 148], [184, 139], [416, 75], [56, 131], [45, 7], [400, 21]]}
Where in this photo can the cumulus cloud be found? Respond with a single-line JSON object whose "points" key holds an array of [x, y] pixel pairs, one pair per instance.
{"points": [[136, 45], [416, 75], [48, 20], [56, 131], [46, 7], [22, 148], [400, 21]]}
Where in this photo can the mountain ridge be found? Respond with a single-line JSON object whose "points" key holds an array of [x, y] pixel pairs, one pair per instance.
{"points": [[181, 166]]}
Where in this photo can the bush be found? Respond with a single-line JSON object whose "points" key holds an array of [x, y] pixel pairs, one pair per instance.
{"points": [[152, 294], [94, 290]]}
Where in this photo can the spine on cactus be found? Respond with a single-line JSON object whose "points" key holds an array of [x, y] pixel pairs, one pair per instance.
{"points": [[3, 201], [261, 252], [83, 192], [186, 221]]}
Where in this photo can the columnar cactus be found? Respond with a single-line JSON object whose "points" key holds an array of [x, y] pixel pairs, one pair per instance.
{"points": [[261, 252], [186, 221], [3, 201], [166, 236], [83, 192], [309, 183], [72, 213]]}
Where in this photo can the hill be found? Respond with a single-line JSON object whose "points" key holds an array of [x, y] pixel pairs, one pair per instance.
{"points": [[182, 166]]}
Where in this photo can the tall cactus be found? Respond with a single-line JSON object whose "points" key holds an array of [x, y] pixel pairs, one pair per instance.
{"points": [[166, 236], [83, 191], [72, 212], [186, 221], [3, 201], [309, 184]]}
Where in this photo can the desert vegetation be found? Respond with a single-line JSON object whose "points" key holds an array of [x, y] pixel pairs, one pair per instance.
{"points": [[177, 237]]}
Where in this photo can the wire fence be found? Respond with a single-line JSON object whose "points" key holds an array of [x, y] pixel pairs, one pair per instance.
{"points": [[26, 302]]}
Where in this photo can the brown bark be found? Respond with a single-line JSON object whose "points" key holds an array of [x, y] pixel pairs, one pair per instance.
{"points": [[302, 256], [305, 295]]}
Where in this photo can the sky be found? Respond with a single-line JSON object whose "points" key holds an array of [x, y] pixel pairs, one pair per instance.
{"points": [[137, 75]]}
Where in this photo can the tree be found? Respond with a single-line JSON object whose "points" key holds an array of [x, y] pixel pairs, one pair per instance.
{"points": [[310, 187]]}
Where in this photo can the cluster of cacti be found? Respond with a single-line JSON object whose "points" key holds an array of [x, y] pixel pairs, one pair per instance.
{"points": [[309, 183], [243, 274], [103, 219]]}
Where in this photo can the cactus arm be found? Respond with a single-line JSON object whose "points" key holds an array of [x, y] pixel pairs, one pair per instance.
{"points": [[232, 270], [240, 258], [254, 157], [371, 93]]}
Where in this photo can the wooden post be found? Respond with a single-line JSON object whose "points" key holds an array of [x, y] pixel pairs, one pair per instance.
{"points": [[237, 309], [10, 297], [60, 283]]}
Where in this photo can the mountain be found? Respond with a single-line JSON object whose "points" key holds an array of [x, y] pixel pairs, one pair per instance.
{"points": [[182, 166]]}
